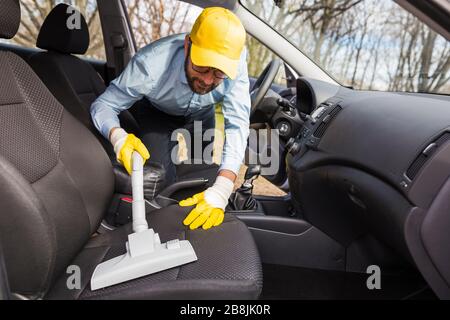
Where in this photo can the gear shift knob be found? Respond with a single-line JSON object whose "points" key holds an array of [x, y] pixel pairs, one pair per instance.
{"points": [[253, 171], [242, 199]]}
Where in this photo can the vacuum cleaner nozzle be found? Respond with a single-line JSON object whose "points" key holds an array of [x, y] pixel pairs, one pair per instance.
{"points": [[145, 252]]}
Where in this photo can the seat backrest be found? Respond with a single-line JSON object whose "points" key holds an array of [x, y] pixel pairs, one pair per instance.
{"points": [[56, 180], [74, 82]]}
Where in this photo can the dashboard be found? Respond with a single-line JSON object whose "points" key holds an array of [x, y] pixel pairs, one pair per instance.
{"points": [[378, 163]]}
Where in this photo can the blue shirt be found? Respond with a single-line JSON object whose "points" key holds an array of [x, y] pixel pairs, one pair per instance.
{"points": [[157, 73]]}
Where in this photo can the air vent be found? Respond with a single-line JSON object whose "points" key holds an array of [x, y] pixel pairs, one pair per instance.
{"points": [[420, 160], [320, 130]]}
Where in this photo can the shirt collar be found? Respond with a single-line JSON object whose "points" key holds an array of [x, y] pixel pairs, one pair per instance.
{"points": [[182, 77], [182, 73]]}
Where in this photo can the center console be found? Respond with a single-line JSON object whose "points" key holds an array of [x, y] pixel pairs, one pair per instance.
{"points": [[313, 129]]}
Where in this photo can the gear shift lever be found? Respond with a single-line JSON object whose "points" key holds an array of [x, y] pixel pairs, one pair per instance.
{"points": [[252, 172], [242, 199]]}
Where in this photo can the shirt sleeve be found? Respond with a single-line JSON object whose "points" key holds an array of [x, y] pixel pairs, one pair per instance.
{"points": [[236, 112], [131, 86]]}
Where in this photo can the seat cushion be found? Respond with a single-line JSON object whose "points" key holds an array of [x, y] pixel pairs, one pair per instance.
{"points": [[56, 181], [228, 265]]}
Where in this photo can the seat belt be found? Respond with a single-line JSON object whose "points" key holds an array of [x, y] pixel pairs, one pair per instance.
{"points": [[120, 44]]}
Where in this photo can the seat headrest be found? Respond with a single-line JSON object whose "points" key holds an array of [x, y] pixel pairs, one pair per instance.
{"points": [[9, 18], [64, 30]]}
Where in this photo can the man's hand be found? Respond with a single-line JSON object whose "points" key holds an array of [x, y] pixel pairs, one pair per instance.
{"points": [[210, 205], [124, 145]]}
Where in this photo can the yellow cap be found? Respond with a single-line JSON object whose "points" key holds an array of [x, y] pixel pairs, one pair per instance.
{"points": [[218, 38]]}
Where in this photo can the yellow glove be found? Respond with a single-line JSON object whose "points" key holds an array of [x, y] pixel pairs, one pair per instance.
{"points": [[124, 145], [210, 205], [203, 214]]}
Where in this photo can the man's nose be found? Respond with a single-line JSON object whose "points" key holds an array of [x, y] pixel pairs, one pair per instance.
{"points": [[209, 78]]}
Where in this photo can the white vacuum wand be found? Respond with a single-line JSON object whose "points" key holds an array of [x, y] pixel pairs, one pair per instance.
{"points": [[145, 252]]}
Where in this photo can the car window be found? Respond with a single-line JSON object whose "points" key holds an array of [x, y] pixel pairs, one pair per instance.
{"points": [[258, 57], [364, 44], [151, 20], [35, 11]]}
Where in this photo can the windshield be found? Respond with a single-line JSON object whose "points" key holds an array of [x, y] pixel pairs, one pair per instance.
{"points": [[364, 44]]}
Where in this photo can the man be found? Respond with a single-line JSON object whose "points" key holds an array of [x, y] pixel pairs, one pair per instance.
{"points": [[183, 77]]}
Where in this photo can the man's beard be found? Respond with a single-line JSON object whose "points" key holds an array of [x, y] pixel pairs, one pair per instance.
{"points": [[191, 80]]}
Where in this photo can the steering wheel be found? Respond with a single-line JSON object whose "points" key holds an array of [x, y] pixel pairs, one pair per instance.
{"points": [[263, 83]]}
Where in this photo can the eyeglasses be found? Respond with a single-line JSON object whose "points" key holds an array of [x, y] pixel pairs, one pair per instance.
{"points": [[204, 70], [217, 73]]}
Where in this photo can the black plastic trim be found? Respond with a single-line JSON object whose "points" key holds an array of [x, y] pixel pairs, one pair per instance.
{"points": [[320, 130], [425, 155]]}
